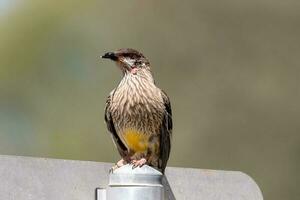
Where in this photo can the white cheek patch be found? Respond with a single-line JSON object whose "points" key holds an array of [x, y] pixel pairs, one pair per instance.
{"points": [[128, 61]]}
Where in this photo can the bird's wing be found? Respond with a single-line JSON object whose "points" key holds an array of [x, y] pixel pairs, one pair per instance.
{"points": [[165, 133], [110, 126]]}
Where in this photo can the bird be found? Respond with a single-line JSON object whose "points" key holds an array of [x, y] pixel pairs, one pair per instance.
{"points": [[138, 114]]}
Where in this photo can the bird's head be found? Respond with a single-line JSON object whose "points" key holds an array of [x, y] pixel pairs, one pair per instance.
{"points": [[129, 60]]}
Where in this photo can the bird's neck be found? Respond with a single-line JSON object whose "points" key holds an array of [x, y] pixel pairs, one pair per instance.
{"points": [[141, 76], [136, 86]]}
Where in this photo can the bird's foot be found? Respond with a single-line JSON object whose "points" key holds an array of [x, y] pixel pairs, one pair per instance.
{"points": [[119, 164], [138, 163]]}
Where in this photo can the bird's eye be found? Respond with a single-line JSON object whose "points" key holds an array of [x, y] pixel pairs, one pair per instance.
{"points": [[127, 55]]}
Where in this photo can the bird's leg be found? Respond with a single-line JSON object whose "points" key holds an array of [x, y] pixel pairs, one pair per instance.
{"points": [[119, 164], [138, 163], [138, 160]]}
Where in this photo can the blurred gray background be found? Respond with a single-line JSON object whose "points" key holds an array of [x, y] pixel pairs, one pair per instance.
{"points": [[231, 69]]}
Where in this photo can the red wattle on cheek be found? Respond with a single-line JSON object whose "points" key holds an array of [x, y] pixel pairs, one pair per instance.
{"points": [[133, 70]]}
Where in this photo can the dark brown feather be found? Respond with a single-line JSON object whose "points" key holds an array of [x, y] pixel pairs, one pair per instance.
{"points": [[165, 134], [110, 126]]}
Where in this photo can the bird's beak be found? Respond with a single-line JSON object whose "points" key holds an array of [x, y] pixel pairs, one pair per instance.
{"points": [[110, 55]]}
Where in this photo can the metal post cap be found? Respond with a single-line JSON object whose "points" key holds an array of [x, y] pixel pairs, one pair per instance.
{"points": [[126, 175]]}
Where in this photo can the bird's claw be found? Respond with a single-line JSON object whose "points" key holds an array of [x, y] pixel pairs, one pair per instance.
{"points": [[138, 163], [111, 170], [119, 164]]}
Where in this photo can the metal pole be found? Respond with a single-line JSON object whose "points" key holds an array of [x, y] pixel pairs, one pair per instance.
{"points": [[133, 184]]}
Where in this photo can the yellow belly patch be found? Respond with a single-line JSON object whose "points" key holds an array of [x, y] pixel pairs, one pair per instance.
{"points": [[136, 141]]}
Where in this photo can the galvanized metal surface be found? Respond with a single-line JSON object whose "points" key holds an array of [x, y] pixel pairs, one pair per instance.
{"points": [[30, 178], [135, 193], [134, 184], [126, 175], [100, 194]]}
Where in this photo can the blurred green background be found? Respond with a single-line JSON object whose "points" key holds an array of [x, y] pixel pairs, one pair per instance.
{"points": [[231, 69]]}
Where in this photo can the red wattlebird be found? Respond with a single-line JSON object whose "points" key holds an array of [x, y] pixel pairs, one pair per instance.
{"points": [[138, 114]]}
